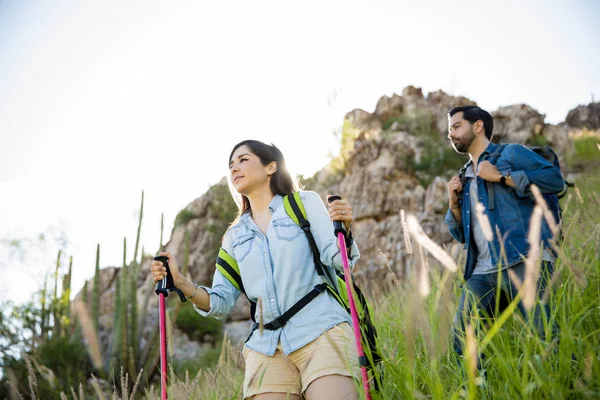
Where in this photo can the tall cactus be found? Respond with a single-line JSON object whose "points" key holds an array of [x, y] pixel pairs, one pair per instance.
{"points": [[137, 240], [116, 340], [124, 330], [45, 311], [96, 293], [65, 299], [133, 305], [56, 312]]}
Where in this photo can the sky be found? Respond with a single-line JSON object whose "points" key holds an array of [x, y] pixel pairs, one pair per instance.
{"points": [[101, 100]]}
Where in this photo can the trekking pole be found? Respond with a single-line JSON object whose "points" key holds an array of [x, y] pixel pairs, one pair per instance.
{"points": [[162, 290], [340, 233]]}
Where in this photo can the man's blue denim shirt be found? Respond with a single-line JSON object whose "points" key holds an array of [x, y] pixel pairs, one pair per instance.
{"points": [[279, 268], [513, 207]]}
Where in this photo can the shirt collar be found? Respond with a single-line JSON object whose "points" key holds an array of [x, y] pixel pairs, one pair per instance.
{"points": [[489, 149], [275, 203]]}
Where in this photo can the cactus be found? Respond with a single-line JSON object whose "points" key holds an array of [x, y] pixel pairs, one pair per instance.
{"points": [[65, 299], [96, 294], [44, 313], [116, 340], [124, 330], [56, 312], [137, 240], [162, 227], [133, 277]]}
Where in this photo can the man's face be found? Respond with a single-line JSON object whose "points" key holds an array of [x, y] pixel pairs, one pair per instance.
{"points": [[460, 133]]}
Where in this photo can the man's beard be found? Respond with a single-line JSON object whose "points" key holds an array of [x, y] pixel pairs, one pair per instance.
{"points": [[462, 145]]}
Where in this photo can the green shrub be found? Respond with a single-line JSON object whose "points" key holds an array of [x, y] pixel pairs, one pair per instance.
{"points": [[195, 325], [438, 158], [183, 217]]}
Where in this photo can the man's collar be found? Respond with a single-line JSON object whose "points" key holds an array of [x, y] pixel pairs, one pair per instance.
{"points": [[491, 147]]}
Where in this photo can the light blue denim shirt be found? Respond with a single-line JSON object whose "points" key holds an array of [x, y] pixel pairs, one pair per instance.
{"points": [[278, 268]]}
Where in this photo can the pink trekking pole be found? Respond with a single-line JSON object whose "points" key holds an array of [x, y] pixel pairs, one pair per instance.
{"points": [[340, 233], [162, 290]]}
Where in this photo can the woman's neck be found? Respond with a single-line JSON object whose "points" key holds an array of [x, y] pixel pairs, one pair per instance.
{"points": [[260, 200]]}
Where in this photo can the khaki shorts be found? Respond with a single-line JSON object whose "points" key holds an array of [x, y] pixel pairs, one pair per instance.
{"points": [[332, 353]]}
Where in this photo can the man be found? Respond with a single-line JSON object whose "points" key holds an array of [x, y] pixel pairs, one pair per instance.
{"points": [[498, 177]]}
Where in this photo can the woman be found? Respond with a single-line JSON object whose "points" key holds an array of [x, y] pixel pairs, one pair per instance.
{"points": [[314, 353]]}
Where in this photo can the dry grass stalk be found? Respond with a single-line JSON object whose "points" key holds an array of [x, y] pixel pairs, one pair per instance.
{"points": [[124, 384], [578, 194], [63, 396], [96, 386], [552, 223], [515, 279], [433, 248], [261, 322], [577, 274], [588, 363], [471, 353], [532, 263], [392, 274], [484, 222], [422, 272], [73, 393], [12, 385], [80, 392], [444, 312], [31, 377], [89, 333], [407, 243], [135, 386]]}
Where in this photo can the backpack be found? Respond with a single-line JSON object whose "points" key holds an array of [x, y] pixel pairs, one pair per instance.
{"points": [[552, 200], [295, 210]]}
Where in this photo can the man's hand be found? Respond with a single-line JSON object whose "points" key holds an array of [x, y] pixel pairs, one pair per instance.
{"points": [[488, 172], [454, 188]]}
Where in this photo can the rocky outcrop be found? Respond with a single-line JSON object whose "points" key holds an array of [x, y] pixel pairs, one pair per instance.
{"points": [[388, 167], [585, 117]]}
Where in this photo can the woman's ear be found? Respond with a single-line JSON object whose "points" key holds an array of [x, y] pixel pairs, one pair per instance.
{"points": [[272, 168]]}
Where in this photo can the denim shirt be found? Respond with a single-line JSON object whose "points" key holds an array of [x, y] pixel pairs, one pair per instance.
{"points": [[279, 268], [513, 207]]}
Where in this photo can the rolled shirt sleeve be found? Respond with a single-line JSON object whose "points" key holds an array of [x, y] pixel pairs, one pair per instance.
{"points": [[530, 168], [455, 228]]}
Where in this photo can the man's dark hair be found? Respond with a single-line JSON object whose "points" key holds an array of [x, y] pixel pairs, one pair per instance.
{"points": [[473, 114]]}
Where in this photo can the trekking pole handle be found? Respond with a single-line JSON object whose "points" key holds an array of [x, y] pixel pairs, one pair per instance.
{"points": [[167, 284], [338, 226]]}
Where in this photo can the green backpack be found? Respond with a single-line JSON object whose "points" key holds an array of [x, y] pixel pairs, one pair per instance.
{"points": [[294, 208]]}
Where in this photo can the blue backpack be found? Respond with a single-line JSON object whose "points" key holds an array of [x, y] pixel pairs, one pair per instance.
{"points": [[552, 200]]}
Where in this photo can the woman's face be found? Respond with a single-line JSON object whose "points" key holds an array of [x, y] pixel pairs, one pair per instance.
{"points": [[247, 172]]}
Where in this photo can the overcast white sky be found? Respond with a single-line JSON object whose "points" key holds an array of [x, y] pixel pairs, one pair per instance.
{"points": [[101, 100]]}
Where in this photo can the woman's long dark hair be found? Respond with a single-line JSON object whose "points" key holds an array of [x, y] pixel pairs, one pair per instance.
{"points": [[282, 182]]}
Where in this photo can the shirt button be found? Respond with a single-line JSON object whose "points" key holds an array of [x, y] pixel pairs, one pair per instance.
{"points": [[266, 254], [272, 300]]}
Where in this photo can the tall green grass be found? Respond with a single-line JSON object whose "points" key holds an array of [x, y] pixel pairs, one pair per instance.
{"points": [[414, 325], [415, 332]]}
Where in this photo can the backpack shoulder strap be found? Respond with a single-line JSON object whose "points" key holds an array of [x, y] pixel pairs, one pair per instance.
{"points": [[295, 210], [492, 158]]}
